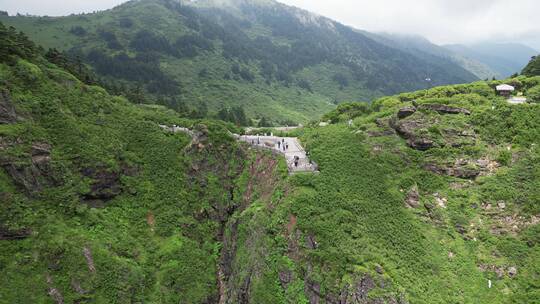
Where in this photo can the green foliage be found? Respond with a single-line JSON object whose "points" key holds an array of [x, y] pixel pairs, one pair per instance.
{"points": [[533, 68], [347, 111], [533, 94]]}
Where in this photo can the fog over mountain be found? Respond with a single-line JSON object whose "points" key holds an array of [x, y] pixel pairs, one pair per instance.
{"points": [[441, 21]]}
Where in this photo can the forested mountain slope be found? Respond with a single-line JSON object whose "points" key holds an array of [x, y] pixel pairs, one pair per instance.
{"points": [[426, 198], [273, 60]]}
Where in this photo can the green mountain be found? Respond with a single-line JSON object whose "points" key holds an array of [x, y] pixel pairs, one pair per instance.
{"points": [[504, 58], [533, 68], [426, 197], [275, 61], [422, 47]]}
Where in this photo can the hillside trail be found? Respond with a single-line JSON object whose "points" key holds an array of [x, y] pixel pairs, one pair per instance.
{"points": [[290, 147], [296, 156]]}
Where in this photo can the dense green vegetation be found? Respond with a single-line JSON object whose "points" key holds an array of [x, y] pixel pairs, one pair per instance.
{"points": [[275, 61], [533, 68], [422, 197]]}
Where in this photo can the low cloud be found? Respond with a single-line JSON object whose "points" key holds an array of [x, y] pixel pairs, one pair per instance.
{"points": [[441, 21]]}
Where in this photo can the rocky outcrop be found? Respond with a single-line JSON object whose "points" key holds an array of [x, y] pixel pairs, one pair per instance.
{"points": [[53, 292], [33, 173], [459, 169], [89, 259], [409, 129], [7, 110], [11, 235], [413, 198], [423, 131], [444, 109], [106, 184], [406, 112], [359, 293]]}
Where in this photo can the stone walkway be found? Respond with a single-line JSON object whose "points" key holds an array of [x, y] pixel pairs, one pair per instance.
{"points": [[294, 149]]}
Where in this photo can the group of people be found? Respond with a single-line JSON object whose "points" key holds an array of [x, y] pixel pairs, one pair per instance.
{"points": [[282, 145]]}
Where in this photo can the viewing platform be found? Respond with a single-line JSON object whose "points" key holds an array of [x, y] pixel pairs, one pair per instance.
{"points": [[295, 155]]}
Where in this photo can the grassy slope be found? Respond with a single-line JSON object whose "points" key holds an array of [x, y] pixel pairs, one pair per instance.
{"points": [[358, 215], [140, 244]]}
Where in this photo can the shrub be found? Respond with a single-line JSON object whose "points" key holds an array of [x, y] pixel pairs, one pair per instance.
{"points": [[533, 94]]}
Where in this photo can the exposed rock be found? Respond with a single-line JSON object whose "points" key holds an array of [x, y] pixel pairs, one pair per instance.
{"points": [[200, 134], [54, 292], [89, 259], [457, 170], [441, 201], [358, 293], [285, 278], [498, 270], [7, 110], [422, 144], [31, 174], [380, 133], [512, 271], [10, 235], [462, 230], [444, 109], [503, 223], [105, 186], [76, 285], [429, 207], [406, 112], [408, 129], [313, 291], [311, 243], [413, 198]]}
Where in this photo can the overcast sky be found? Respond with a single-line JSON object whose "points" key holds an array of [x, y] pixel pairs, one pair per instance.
{"points": [[441, 21]]}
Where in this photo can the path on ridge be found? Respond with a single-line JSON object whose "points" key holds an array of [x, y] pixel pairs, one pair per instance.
{"points": [[294, 149]]}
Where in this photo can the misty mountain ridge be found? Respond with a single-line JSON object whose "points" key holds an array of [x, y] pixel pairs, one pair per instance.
{"points": [[504, 58], [237, 53]]}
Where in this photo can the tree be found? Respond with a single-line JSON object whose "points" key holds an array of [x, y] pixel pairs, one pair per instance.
{"points": [[341, 80], [136, 95], [304, 84], [224, 114], [78, 31], [239, 116], [265, 123], [201, 111]]}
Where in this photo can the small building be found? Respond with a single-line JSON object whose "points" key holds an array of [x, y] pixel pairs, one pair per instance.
{"points": [[505, 90]]}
